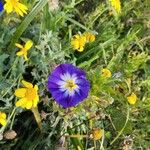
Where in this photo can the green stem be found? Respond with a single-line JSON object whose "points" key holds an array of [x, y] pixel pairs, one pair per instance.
{"points": [[11, 86], [37, 117], [94, 144], [121, 131], [75, 141], [77, 23], [12, 121]]}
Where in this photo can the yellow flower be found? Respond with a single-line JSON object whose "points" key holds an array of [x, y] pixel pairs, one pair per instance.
{"points": [[3, 121], [97, 133], [29, 96], [116, 4], [106, 73], [78, 42], [24, 49], [89, 37], [79, 148], [132, 99], [15, 5]]}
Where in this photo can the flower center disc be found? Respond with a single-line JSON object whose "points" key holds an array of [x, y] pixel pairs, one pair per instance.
{"points": [[30, 94], [70, 85]]}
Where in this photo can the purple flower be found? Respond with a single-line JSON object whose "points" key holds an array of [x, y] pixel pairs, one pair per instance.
{"points": [[68, 85], [1, 7]]}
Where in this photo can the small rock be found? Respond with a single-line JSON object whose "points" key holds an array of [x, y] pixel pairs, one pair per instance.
{"points": [[10, 134]]}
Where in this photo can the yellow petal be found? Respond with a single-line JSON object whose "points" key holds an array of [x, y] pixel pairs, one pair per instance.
{"points": [[36, 87], [3, 115], [81, 49], [21, 102], [75, 44], [19, 45], [77, 36], [28, 45], [20, 92], [106, 73], [27, 84], [8, 7], [25, 56], [3, 122], [35, 101], [97, 133], [23, 7], [29, 104], [18, 11], [132, 99], [20, 53], [92, 38]]}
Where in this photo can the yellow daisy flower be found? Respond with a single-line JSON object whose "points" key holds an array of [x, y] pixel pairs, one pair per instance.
{"points": [[24, 49], [3, 121], [97, 133], [116, 4], [78, 42], [106, 73], [15, 5], [89, 37], [29, 96], [132, 98]]}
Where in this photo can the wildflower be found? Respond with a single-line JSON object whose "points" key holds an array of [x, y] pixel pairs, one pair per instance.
{"points": [[1, 7], [78, 42], [28, 94], [24, 49], [97, 134], [89, 37], [110, 13], [116, 4], [106, 73], [68, 85], [79, 148], [132, 99], [15, 5], [3, 121]]}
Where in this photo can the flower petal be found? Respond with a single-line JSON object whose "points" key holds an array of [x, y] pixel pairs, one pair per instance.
{"points": [[8, 7], [35, 101], [28, 45], [3, 115], [27, 84], [36, 87], [25, 56], [20, 53], [20, 92], [3, 122], [1, 7], [19, 45], [29, 104], [23, 7], [21, 102]]}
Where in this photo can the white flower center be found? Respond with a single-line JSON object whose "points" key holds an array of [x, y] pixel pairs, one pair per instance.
{"points": [[68, 84]]}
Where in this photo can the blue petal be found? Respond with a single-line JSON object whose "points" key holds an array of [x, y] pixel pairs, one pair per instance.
{"points": [[1, 7], [71, 69]]}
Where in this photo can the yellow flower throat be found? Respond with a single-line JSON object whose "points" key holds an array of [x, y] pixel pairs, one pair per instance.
{"points": [[71, 85], [30, 94]]}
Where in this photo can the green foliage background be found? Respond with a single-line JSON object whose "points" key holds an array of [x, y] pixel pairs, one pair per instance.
{"points": [[122, 45]]}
